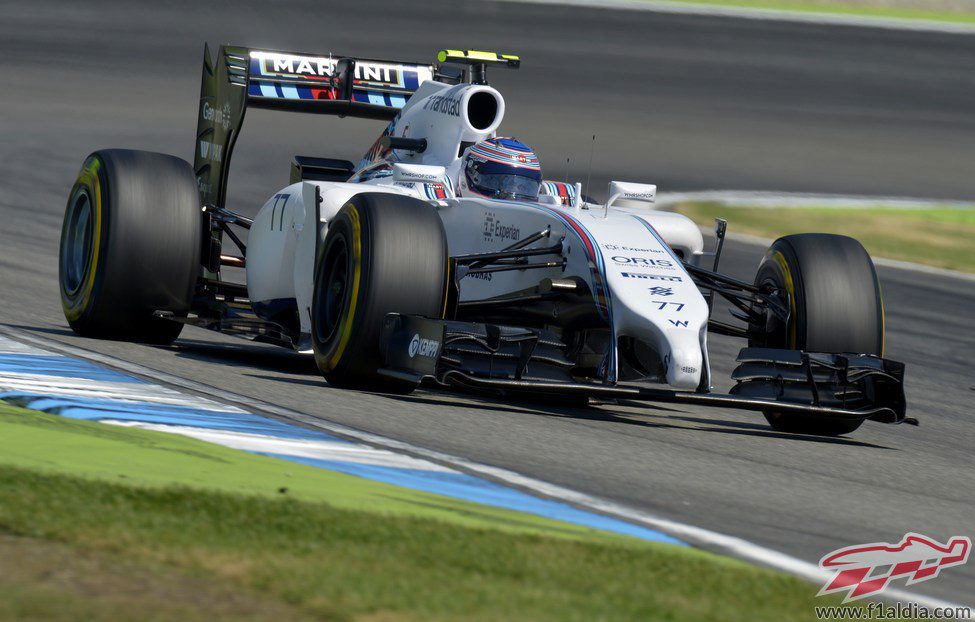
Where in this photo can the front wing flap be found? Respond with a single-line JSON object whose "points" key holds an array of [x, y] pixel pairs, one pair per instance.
{"points": [[845, 381], [531, 361]]}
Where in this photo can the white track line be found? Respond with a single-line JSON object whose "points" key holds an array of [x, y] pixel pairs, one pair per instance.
{"points": [[773, 15], [755, 240], [63, 386], [799, 200], [728, 545], [340, 451]]}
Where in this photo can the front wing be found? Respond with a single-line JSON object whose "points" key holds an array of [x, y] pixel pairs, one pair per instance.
{"points": [[516, 360]]}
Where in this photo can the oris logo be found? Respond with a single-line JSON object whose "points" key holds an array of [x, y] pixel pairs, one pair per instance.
{"points": [[423, 347], [641, 261]]}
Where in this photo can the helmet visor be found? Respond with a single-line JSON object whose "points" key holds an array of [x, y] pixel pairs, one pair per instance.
{"points": [[508, 186]]}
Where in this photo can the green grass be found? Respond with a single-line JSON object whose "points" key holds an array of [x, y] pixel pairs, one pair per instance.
{"points": [[145, 458], [919, 12], [114, 541], [943, 238]]}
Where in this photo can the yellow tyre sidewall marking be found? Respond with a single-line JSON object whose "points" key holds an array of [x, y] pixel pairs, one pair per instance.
{"points": [[779, 258], [446, 293], [88, 178], [345, 328], [883, 320], [790, 287]]}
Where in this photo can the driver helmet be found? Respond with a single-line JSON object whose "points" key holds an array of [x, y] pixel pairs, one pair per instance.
{"points": [[501, 168]]}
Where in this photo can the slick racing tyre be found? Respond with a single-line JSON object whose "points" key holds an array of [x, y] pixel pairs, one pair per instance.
{"points": [[383, 253], [836, 307], [130, 245]]}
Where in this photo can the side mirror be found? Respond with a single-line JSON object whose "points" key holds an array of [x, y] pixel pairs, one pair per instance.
{"points": [[629, 191]]}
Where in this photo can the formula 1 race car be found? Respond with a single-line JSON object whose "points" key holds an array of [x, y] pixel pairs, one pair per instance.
{"points": [[444, 258]]}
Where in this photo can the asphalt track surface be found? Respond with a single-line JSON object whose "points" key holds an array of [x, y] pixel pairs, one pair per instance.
{"points": [[687, 102]]}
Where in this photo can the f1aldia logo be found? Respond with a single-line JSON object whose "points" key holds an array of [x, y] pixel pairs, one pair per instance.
{"points": [[423, 347], [866, 569]]}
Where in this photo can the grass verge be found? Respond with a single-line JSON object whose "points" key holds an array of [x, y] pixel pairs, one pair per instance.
{"points": [[906, 11], [115, 542], [144, 458], [936, 237]]}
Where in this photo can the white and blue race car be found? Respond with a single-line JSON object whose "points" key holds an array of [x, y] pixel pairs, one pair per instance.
{"points": [[443, 257]]}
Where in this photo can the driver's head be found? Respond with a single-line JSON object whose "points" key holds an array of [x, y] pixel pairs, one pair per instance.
{"points": [[501, 168]]}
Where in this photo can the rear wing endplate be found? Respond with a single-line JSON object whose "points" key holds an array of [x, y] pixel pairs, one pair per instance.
{"points": [[241, 77]]}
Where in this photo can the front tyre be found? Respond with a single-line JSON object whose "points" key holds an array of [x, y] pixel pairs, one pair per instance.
{"points": [[384, 253], [836, 307], [130, 246]]}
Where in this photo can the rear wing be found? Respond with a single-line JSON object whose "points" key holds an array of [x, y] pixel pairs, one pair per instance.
{"points": [[241, 77]]}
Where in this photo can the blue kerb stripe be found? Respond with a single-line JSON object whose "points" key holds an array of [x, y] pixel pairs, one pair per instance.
{"points": [[165, 414], [62, 367], [470, 488], [451, 484]]}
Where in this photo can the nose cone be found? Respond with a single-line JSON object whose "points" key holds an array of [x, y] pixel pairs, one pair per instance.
{"points": [[684, 367]]}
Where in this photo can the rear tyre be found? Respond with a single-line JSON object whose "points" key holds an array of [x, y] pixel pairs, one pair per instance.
{"points": [[383, 253], [130, 245], [836, 306]]}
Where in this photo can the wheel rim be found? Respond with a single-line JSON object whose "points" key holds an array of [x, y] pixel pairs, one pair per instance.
{"points": [[777, 331], [333, 291], [76, 249]]}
